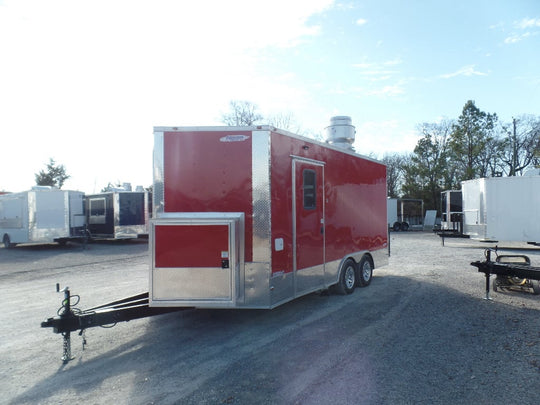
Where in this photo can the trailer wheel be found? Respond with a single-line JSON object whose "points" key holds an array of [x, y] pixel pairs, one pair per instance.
{"points": [[536, 286], [347, 278], [404, 226], [397, 226], [7, 242], [365, 272]]}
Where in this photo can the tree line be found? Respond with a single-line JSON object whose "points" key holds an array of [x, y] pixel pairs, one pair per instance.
{"points": [[477, 144], [474, 145]]}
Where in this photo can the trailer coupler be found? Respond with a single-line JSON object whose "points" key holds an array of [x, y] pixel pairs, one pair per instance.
{"points": [[70, 318], [508, 266]]}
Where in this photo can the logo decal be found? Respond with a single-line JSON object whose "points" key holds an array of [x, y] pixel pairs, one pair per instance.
{"points": [[234, 138]]}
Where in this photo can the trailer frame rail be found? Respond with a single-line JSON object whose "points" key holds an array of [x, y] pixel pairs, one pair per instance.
{"points": [[507, 266]]}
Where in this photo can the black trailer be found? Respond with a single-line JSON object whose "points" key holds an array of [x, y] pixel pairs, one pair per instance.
{"points": [[118, 214], [513, 272]]}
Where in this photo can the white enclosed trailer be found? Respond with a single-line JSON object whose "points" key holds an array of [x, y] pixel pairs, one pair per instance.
{"points": [[41, 215], [404, 213], [502, 209]]}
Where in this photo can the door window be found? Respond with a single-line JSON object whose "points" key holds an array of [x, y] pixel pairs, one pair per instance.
{"points": [[310, 189]]}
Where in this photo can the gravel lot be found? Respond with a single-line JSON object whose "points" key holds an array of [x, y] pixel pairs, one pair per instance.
{"points": [[421, 333]]}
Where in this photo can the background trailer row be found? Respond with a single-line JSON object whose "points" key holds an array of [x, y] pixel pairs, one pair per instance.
{"points": [[41, 215], [47, 215]]}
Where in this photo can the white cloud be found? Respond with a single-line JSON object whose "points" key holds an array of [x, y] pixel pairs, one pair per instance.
{"points": [[378, 71], [528, 23], [361, 21], [468, 70], [380, 137], [512, 39], [387, 91], [524, 28], [393, 62], [85, 81]]}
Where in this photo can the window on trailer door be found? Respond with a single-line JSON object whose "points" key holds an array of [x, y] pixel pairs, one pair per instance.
{"points": [[310, 189], [97, 209]]}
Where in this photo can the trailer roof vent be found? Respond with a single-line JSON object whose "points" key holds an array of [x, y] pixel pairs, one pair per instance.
{"points": [[41, 188], [340, 132]]}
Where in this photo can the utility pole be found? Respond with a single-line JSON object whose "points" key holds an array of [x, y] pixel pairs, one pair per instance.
{"points": [[514, 149]]}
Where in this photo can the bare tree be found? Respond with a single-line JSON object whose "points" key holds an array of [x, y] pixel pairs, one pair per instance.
{"points": [[242, 113], [283, 121], [287, 121], [394, 173], [522, 140]]}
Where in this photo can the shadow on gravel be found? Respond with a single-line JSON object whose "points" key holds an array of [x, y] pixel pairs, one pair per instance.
{"points": [[44, 247], [70, 246], [398, 341], [21, 253]]}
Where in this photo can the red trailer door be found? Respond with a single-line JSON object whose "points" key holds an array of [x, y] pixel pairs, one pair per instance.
{"points": [[308, 232], [196, 259]]}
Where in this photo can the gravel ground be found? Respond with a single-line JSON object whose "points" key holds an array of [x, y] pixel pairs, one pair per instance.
{"points": [[421, 333]]}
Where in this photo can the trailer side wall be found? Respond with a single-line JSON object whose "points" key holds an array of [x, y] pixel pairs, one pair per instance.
{"points": [[502, 208]]}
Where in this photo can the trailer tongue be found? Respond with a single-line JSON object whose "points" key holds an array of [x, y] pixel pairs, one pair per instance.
{"points": [[71, 319]]}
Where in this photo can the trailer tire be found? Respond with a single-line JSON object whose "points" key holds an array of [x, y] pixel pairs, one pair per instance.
{"points": [[364, 272], [347, 278], [7, 242], [396, 227], [404, 226], [495, 284], [536, 286]]}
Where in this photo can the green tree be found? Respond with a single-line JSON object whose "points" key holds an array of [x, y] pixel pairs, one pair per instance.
{"points": [[427, 174], [54, 175], [471, 141]]}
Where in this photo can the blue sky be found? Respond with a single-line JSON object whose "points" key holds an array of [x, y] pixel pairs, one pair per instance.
{"points": [[84, 82]]}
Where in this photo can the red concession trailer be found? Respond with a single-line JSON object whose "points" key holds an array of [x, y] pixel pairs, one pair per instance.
{"points": [[253, 217]]}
